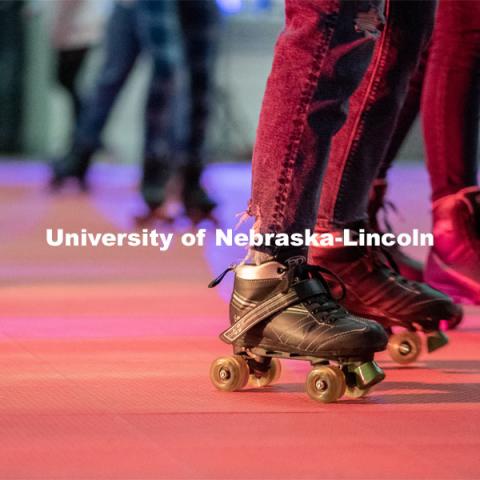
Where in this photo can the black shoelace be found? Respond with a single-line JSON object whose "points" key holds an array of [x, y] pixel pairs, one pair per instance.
{"points": [[324, 304], [389, 264]]}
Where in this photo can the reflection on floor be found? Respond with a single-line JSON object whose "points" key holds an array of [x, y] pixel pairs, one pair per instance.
{"points": [[104, 358]]}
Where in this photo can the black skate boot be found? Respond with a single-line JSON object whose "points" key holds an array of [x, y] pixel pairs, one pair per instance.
{"points": [[285, 310], [198, 205], [156, 174], [73, 166], [375, 290], [407, 266]]}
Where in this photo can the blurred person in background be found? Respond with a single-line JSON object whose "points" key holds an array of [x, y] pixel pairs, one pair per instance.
{"points": [[11, 74], [76, 27], [138, 26], [446, 87]]}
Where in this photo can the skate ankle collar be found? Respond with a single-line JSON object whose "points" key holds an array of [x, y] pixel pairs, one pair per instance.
{"points": [[265, 271]]}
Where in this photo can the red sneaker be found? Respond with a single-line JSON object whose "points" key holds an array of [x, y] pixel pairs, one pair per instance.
{"points": [[453, 265]]}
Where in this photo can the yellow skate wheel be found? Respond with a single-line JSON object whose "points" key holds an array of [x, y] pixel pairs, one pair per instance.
{"points": [[341, 381], [324, 384], [229, 373], [262, 379], [357, 392], [404, 347]]}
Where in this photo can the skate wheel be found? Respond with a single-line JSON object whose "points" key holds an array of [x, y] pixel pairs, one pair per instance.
{"points": [[325, 384], [262, 379], [356, 392], [229, 373], [404, 347], [341, 380]]}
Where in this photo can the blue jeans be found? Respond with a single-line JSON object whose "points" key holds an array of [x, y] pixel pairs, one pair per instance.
{"points": [[133, 28], [359, 148]]}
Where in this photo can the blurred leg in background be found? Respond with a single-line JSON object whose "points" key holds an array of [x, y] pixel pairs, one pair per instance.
{"points": [[156, 21], [198, 22], [122, 47], [69, 65], [11, 74], [76, 28]]}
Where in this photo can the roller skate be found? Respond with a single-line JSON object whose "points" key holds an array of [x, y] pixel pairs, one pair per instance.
{"points": [[197, 204], [155, 213], [74, 166], [284, 310], [453, 265], [407, 266], [375, 290], [156, 174]]}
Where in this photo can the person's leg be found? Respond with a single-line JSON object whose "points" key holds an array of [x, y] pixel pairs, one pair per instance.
{"points": [[359, 148], [69, 64], [319, 61], [121, 50], [378, 205], [450, 101], [407, 115], [199, 27], [282, 307], [450, 117], [155, 23], [373, 288]]}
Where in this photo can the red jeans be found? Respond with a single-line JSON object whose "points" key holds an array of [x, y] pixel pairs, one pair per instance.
{"points": [[320, 58], [448, 77], [450, 98]]}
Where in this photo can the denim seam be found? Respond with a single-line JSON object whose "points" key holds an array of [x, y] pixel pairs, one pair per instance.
{"points": [[299, 121], [372, 89]]}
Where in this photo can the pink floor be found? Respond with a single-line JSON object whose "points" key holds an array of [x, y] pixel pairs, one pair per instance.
{"points": [[104, 358]]}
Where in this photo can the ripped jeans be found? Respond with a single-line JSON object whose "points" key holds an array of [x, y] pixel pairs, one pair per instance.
{"points": [[320, 59]]}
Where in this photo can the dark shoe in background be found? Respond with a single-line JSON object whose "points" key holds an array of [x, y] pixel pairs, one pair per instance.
{"points": [[196, 201], [374, 290], [73, 166]]}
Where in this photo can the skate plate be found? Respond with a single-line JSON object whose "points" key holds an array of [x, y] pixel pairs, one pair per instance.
{"points": [[436, 340], [327, 382]]}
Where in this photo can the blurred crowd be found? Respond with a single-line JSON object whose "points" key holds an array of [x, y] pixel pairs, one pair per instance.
{"points": [[135, 28], [179, 39]]}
